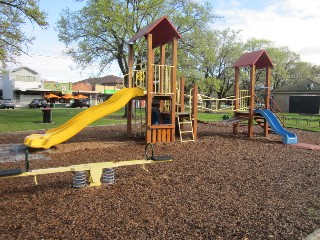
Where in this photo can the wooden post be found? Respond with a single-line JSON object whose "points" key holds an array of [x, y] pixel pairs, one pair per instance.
{"points": [[267, 98], [162, 62], [195, 111], [174, 85], [251, 107], [129, 118], [181, 94], [149, 87], [236, 94], [130, 66], [129, 85]]}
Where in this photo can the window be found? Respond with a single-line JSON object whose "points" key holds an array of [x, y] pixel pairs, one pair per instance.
{"points": [[25, 78]]}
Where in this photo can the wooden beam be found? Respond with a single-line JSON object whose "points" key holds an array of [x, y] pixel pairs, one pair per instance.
{"points": [[236, 94], [267, 98], [129, 118], [150, 57], [161, 126], [174, 84], [195, 111], [181, 94], [251, 105], [162, 62], [236, 87], [130, 66], [129, 85]]}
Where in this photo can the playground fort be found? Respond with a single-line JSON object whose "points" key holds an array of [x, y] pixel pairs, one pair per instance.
{"points": [[156, 83]]}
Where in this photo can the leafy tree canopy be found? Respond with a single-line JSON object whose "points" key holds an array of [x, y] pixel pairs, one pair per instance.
{"points": [[98, 33], [13, 15], [209, 60]]}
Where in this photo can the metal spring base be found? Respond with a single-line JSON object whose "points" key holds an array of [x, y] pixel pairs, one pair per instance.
{"points": [[79, 179], [108, 176]]}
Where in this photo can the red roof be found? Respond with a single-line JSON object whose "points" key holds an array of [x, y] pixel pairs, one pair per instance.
{"points": [[258, 58], [162, 32]]}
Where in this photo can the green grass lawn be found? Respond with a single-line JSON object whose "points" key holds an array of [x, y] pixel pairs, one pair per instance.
{"points": [[306, 122], [23, 119]]}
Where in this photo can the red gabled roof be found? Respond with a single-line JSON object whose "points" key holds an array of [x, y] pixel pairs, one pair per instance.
{"points": [[162, 32], [258, 58]]}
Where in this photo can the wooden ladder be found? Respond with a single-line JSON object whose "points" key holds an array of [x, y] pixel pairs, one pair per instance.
{"points": [[185, 127]]}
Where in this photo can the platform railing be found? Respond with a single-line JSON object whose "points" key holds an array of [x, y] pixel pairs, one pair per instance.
{"points": [[162, 73], [162, 77], [138, 76], [222, 104]]}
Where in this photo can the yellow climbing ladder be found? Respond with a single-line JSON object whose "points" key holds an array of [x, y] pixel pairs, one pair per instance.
{"points": [[185, 127]]}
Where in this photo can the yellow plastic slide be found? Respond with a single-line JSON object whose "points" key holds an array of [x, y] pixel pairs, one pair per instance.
{"points": [[77, 123]]}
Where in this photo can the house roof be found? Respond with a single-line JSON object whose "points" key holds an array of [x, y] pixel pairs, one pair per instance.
{"points": [[301, 86], [162, 32], [110, 79], [26, 68], [258, 58]]}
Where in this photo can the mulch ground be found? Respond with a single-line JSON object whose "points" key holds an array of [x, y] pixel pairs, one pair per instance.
{"points": [[223, 186]]}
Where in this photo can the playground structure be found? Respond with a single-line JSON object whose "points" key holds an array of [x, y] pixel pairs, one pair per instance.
{"points": [[156, 84], [164, 95], [98, 172], [262, 114], [244, 103]]}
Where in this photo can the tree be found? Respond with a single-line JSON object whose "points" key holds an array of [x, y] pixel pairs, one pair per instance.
{"points": [[284, 62], [98, 33], [13, 15], [210, 60]]}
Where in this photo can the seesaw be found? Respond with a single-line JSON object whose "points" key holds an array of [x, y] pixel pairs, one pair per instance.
{"points": [[101, 171]]}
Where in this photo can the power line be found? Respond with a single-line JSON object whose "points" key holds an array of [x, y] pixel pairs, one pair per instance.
{"points": [[40, 55]]}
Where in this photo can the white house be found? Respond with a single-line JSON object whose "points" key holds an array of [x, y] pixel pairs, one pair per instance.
{"points": [[22, 85]]}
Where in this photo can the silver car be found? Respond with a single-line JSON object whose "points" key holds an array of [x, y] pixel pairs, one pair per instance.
{"points": [[6, 103]]}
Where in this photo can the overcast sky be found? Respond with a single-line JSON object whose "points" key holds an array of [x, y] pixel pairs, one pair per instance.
{"points": [[291, 23]]}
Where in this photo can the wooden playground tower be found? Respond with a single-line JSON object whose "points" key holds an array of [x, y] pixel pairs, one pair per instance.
{"points": [[164, 95], [253, 60]]}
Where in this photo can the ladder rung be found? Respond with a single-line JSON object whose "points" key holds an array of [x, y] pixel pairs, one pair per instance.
{"points": [[186, 131], [191, 140], [185, 122]]}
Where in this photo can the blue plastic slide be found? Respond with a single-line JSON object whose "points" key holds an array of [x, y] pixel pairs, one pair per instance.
{"points": [[287, 137]]}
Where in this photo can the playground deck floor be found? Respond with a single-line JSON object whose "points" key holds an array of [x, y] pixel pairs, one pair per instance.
{"points": [[223, 186]]}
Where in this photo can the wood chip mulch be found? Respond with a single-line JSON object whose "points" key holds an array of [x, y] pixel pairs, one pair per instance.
{"points": [[223, 186]]}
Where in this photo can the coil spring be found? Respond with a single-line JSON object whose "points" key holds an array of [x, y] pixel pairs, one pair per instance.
{"points": [[79, 179], [108, 176]]}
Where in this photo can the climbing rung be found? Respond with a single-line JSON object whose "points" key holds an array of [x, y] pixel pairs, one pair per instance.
{"points": [[186, 131], [185, 122]]}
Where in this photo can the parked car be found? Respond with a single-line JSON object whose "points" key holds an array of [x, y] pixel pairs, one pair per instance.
{"points": [[81, 103], [38, 103], [6, 103]]}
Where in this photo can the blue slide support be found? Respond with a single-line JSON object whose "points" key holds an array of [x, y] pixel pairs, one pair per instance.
{"points": [[274, 123]]}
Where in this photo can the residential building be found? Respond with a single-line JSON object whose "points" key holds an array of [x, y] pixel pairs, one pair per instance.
{"points": [[301, 97], [22, 85]]}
